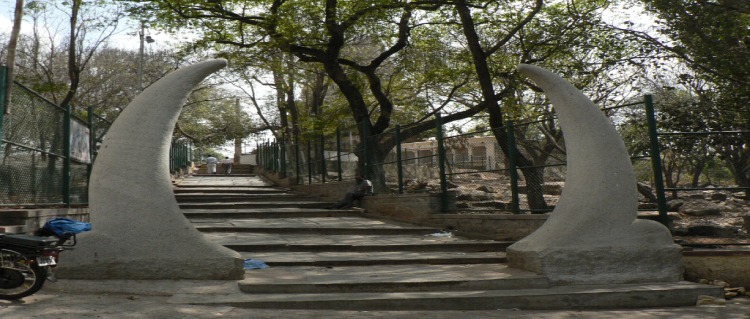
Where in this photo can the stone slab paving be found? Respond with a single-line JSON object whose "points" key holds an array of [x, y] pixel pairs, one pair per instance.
{"points": [[302, 222], [408, 278], [337, 259], [267, 213], [229, 238], [224, 181], [202, 189], [378, 271], [76, 299], [567, 297], [280, 210], [254, 204], [407, 273], [249, 196]]}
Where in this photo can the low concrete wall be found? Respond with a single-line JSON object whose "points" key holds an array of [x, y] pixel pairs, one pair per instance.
{"points": [[31, 219], [412, 208], [731, 266], [492, 226]]}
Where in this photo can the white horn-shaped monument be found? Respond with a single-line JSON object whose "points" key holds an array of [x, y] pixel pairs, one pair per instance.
{"points": [[138, 230], [593, 235]]}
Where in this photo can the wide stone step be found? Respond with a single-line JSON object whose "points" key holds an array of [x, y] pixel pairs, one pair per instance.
{"points": [[380, 278], [200, 189], [314, 225], [257, 204], [215, 181], [232, 198], [322, 231], [220, 172], [339, 259], [318, 230], [553, 298], [271, 242], [266, 213]]}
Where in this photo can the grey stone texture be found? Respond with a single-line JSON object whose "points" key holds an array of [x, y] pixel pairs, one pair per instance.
{"points": [[138, 230], [593, 236]]}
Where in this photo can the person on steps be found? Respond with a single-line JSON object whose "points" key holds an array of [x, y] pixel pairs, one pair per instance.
{"points": [[361, 189], [226, 163], [211, 163]]}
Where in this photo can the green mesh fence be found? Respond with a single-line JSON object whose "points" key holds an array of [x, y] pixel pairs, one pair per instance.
{"points": [[529, 176], [33, 154]]}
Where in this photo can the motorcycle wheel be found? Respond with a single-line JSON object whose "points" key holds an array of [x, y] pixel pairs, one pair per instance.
{"points": [[23, 279]]}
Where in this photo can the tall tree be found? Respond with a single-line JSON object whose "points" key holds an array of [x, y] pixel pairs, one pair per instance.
{"points": [[567, 37], [352, 41], [713, 39], [11, 59]]}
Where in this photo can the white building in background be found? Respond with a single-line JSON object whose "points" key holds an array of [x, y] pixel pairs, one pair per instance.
{"points": [[479, 152]]}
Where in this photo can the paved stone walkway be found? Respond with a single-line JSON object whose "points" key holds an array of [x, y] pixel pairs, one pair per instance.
{"points": [[148, 301]]}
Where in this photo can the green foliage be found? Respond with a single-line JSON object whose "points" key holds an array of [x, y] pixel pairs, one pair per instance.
{"points": [[713, 39], [210, 120]]}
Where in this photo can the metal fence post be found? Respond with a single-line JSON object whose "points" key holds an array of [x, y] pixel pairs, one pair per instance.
{"points": [[338, 153], [92, 141], [283, 156], [172, 156], [185, 160], [661, 200], [275, 156], [297, 158], [441, 164], [261, 155], [3, 93], [322, 158], [365, 137], [515, 203], [66, 159], [399, 164], [309, 163]]}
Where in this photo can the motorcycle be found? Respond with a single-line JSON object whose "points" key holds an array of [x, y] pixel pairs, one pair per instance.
{"points": [[27, 261]]}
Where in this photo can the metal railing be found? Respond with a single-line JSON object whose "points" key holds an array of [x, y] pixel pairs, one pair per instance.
{"points": [[526, 177], [46, 151], [45, 157]]}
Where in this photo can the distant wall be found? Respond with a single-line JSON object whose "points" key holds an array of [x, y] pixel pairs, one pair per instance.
{"points": [[730, 266], [29, 220], [251, 159]]}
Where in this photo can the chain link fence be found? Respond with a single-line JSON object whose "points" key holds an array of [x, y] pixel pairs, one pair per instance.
{"points": [[685, 173], [44, 155], [47, 151]]}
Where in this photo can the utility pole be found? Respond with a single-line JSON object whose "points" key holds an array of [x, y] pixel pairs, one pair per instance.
{"points": [[140, 59], [142, 38], [237, 141]]}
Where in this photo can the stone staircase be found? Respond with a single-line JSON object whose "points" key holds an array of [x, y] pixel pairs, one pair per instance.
{"points": [[237, 170], [339, 259]]}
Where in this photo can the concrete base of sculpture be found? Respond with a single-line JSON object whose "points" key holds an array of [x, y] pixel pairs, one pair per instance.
{"points": [[601, 265], [138, 229], [592, 236], [98, 256]]}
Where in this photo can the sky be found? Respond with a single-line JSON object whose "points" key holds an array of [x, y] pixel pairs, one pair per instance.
{"points": [[128, 37]]}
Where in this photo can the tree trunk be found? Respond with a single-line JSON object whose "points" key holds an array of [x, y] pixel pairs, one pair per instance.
{"points": [[534, 187], [11, 59], [697, 171]]}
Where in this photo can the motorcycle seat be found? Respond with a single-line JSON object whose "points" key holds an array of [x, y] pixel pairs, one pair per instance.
{"points": [[28, 241]]}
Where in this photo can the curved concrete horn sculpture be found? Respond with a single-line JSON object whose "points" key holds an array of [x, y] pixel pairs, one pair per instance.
{"points": [[138, 230], [592, 235]]}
